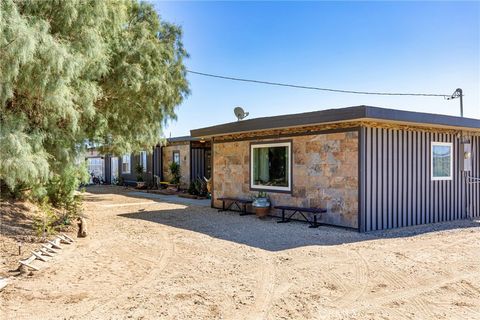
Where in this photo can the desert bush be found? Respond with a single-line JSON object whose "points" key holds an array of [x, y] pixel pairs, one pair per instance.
{"points": [[198, 187], [175, 172], [46, 224], [139, 172], [192, 189]]}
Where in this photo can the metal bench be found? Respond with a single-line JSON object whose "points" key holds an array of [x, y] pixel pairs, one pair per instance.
{"points": [[241, 204], [302, 211]]}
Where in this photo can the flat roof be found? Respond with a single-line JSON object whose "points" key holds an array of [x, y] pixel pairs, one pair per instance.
{"points": [[182, 139], [338, 115]]}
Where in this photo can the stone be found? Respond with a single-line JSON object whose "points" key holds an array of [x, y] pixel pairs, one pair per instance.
{"points": [[325, 174]]}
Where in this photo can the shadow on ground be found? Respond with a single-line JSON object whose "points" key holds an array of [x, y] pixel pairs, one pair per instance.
{"points": [[267, 234]]}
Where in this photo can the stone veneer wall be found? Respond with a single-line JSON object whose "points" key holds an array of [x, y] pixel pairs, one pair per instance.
{"points": [[325, 174], [184, 149]]}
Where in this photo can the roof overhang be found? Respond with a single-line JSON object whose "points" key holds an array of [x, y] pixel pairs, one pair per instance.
{"points": [[358, 113]]}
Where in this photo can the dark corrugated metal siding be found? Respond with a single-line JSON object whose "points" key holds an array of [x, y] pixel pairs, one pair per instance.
{"points": [[197, 164], [398, 189], [473, 194], [157, 161], [108, 169]]}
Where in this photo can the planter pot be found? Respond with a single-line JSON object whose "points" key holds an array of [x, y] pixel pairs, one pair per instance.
{"points": [[262, 212], [261, 206], [140, 184]]}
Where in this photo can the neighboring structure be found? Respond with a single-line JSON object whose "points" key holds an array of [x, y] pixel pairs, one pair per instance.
{"points": [[372, 168], [124, 167], [193, 156], [95, 163]]}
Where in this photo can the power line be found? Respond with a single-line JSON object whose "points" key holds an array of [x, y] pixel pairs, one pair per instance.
{"points": [[317, 88]]}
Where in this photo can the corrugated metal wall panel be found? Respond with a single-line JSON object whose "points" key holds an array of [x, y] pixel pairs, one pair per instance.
{"points": [[474, 185], [398, 189], [198, 163]]}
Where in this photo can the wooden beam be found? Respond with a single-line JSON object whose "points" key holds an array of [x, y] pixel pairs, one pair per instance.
{"points": [[46, 253], [28, 261], [49, 248], [54, 245], [71, 240], [63, 239], [28, 265], [39, 256], [3, 283]]}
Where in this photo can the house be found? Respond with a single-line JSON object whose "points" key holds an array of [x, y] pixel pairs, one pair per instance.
{"points": [[95, 162], [371, 168], [192, 154]]}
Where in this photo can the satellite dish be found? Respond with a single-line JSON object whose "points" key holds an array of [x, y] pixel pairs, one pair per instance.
{"points": [[240, 113]]}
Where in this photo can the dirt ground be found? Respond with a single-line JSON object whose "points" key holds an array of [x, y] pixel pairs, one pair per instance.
{"points": [[17, 227], [148, 259]]}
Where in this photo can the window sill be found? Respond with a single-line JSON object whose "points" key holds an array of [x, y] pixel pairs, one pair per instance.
{"points": [[252, 188]]}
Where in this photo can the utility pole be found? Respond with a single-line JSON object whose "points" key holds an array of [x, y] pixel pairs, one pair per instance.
{"points": [[458, 94]]}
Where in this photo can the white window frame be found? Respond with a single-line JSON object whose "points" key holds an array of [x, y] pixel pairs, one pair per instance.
{"points": [[143, 160], [126, 159], [175, 152], [444, 144], [289, 178]]}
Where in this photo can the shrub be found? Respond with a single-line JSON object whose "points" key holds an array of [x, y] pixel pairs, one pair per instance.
{"points": [[120, 181], [198, 188], [45, 225], [175, 172], [192, 189], [139, 172]]}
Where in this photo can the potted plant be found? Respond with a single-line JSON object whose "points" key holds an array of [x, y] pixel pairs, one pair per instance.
{"points": [[261, 204], [140, 181]]}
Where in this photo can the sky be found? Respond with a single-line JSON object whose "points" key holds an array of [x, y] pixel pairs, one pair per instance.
{"points": [[424, 47]]}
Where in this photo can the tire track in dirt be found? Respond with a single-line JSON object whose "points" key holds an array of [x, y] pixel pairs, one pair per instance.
{"points": [[328, 276], [417, 303], [228, 310], [428, 252], [362, 271], [265, 290], [407, 295], [166, 250], [349, 292], [468, 287]]}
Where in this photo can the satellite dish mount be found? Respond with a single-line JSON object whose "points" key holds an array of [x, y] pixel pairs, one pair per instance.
{"points": [[240, 113]]}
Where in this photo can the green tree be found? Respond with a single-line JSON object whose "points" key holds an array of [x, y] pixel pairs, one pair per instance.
{"points": [[110, 72]]}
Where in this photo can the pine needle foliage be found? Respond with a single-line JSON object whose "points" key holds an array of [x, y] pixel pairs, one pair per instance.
{"points": [[110, 72]]}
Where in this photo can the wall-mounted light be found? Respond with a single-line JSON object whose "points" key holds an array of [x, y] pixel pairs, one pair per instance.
{"points": [[466, 164]]}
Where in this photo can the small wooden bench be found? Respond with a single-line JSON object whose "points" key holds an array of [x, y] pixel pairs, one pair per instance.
{"points": [[302, 211], [240, 203]]}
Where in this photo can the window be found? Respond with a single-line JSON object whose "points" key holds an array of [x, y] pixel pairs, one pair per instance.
{"points": [[143, 160], [442, 160], [270, 166], [126, 163], [95, 166], [176, 157]]}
